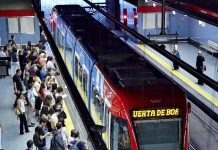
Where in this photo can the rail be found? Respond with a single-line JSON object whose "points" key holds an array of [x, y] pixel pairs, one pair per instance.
{"points": [[199, 117], [94, 136]]}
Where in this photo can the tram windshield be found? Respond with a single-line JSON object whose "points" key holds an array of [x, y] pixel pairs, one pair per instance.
{"points": [[162, 134]]}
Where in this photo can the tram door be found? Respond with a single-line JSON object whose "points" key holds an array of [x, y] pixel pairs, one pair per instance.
{"points": [[119, 134]]}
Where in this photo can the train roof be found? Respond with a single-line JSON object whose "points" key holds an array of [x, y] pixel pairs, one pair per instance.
{"points": [[121, 62]]}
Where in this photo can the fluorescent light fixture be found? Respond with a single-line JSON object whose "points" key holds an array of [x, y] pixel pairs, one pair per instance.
{"points": [[174, 12]]}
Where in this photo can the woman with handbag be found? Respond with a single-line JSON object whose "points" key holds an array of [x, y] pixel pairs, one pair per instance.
{"points": [[200, 66]]}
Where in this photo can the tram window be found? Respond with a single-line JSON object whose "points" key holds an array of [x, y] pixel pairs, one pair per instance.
{"points": [[84, 80], [60, 38], [98, 103], [120, 135], [76, 67], [80, 71], [158, 134]]}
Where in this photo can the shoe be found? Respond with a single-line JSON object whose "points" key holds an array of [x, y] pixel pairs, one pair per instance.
{"points": [[32, 123], [200, 83], [27, 131], [22, 133]]}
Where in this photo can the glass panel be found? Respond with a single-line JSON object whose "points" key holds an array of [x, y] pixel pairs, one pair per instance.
{"points": [[27, 28], [13, 25], [69, 57], [76, 67], [120, 135], [84, 81], [156, 135], [98, 103]]}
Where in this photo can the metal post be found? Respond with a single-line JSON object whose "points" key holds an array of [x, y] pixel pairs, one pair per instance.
{"points": [[163, 18]]}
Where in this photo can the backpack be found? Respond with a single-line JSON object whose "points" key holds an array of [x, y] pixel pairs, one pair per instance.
{"points": [[36, 140], [73, 145]]}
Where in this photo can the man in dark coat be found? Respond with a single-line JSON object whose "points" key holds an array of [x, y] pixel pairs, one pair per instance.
{"points": [[199, 65]]}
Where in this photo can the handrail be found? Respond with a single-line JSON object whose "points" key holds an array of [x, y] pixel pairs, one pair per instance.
{"points": [[94, 137], [5, 58]]}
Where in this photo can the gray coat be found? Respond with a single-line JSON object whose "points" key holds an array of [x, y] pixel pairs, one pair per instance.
{"points": [[57, 142]]}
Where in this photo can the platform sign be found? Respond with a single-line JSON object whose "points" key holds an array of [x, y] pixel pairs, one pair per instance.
{"points": [[155, 113]]}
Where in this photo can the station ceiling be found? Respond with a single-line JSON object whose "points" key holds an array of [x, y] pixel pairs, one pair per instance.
{"points": [[205, 10], [13, 8], [15, 4]]}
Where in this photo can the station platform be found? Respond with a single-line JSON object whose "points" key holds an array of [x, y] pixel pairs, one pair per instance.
{"points": [[188, 53], [10, 124], [11, 138]]}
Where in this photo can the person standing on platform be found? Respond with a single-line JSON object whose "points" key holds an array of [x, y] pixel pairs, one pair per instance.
{"points": [[14, 61], [1, 131], [21, 107], [176, 53], [200, 66], [13, 39], [76, 142], [18, 87]]}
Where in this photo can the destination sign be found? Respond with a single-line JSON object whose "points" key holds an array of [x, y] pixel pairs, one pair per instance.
{"points": [[149, 113]]}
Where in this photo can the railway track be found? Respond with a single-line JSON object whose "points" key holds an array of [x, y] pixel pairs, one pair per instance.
{"points": [[205, 122]]}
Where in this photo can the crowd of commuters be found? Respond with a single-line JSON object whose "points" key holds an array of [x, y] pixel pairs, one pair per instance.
{"points": [[39, 97]]}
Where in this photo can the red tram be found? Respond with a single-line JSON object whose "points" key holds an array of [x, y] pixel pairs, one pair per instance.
{"points": [[140, 108]]}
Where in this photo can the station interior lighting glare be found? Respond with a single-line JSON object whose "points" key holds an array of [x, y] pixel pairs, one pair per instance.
{"points": [[146, 1], [154, 4], [174, 12]]}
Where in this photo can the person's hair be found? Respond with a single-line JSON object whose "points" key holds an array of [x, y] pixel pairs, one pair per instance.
{"points": [[29, 143], [59, 89], [5, 48], [19, 95], [59, 98], [163, 46], [50, 58], [14, 50], [30, 86], [59, 125], [37, 129], [17, 71], [42, 120], [74, 133], [9, 41], [12, 36], [29, 43]]}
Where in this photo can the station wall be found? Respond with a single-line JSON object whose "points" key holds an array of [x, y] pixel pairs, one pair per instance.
{"points": [[20, 36], [193, 28]]}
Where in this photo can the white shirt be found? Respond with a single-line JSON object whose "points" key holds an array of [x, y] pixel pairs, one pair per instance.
{"points": [[21, 105], [2, 54]]}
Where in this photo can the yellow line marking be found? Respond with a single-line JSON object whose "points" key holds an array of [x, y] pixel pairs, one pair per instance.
{"points": [[68, 120], [179, 75]]}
